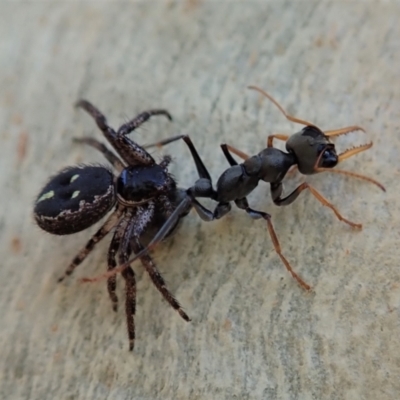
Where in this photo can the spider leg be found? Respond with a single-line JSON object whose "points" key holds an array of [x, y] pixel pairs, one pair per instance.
{"points": [[158, 280], [162, 143], [139, 224], [166, 160], [202, 188], [141, 251], [244, 205], [134, 123], [110, 156], [279, 136], [111, 262], [276, 191], [130, 279], [201, 169], [130, 151], [130, 293], [99, 235]]}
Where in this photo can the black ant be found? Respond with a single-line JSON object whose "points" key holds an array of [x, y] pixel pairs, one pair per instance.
{"points": [[144, 195], [310, 150]]}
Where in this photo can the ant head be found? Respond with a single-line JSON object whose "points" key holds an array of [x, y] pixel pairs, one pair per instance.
{"points": [[312, 149]]}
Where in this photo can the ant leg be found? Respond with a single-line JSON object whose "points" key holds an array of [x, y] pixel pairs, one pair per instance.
{"points": [[236, 151], [99, 235], [276, 136], [201, 169], [289, 117], [225, 149], [110, 156], [244, 205], [276, 191], [162, 143], [343, 131], [183, 208]]}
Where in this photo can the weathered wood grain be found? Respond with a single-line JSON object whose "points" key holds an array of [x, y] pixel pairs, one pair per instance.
{"points": [[255, 333]]}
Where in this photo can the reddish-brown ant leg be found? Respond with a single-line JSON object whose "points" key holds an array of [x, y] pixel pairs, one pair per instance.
{"points": [[238, 152], [326, 203], [279, 136], [277, 247]]}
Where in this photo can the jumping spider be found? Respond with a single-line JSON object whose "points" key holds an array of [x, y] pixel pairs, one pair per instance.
{"points": [[143, 195]]}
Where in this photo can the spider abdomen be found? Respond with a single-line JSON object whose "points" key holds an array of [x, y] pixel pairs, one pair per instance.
{"points": [[74, 199], [138, 184]]}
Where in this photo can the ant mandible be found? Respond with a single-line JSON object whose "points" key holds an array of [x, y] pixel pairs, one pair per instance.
{"points": [[310, 150]]}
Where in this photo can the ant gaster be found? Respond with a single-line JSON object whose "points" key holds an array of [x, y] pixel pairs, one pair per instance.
{"points": [[310, 150]]}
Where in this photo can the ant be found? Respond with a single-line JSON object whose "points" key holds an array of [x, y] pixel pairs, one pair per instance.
{"points": [[144, 195], [310, 150]]}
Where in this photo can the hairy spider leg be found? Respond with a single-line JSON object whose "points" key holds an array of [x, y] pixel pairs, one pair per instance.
{"points": [[96, 238], [130, 279], [130, 295], [188, 201], [159, 237], [112, 263], [109, 155], [138, 226], [130, 151]]}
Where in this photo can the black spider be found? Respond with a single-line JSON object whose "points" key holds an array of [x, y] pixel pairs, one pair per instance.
{"points": [[144, 195]]}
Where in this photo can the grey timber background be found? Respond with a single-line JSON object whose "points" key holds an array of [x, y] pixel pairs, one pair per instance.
{"points": [[254, 333]]}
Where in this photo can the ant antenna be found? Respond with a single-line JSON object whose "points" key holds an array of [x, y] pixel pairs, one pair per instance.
{"points": [[289, 117]]}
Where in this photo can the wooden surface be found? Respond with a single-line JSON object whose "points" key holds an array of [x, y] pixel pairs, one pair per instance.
{"points": [[254, 332]]}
